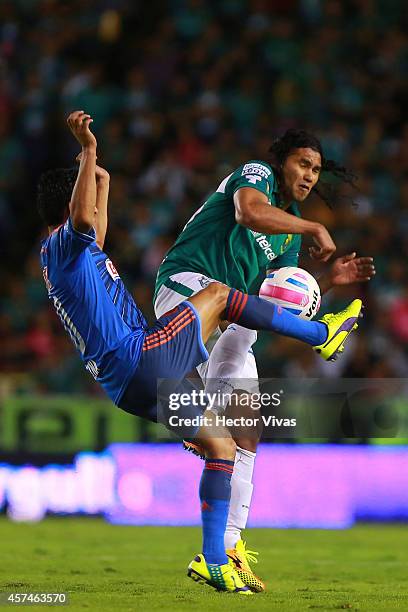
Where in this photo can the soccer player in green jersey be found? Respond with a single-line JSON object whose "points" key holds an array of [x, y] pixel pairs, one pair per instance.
{"points": [[249, 225]]}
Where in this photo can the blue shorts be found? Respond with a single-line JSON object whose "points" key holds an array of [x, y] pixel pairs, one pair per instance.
{"points": [[171, 349]]}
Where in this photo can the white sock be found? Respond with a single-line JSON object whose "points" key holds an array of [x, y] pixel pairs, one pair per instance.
{"points": [[241, 494], [227, 360]]}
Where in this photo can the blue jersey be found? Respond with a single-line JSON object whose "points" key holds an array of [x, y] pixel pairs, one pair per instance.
{"points": [[94, 306]]}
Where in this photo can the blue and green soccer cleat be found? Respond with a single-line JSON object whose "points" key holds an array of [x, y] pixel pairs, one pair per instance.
{"points": [[220, 577]]}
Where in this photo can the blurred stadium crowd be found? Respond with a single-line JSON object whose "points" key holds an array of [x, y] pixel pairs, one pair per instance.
{"points": [[182, 92]]}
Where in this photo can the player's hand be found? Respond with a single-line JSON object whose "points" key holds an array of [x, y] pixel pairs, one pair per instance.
{"points": [[325, 245], [100, 173], [79, 123], [351, 269]]}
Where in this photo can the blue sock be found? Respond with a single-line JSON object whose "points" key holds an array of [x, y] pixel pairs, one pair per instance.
{"points": [[215, 494], [254, 312]]}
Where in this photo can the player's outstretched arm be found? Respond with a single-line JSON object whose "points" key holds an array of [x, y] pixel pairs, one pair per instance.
{"points": [[102, 195], [83, 201], [254, 212]]}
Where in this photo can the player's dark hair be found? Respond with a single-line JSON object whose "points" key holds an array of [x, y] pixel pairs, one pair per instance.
{"points": [[54, 193], [297, 139]]}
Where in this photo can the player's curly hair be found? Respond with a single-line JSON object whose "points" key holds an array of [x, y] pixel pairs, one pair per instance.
{"points": [[54, 193], [296, 139]]}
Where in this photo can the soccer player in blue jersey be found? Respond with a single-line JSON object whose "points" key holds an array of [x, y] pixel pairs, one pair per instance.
{"points": [[127, 357]]}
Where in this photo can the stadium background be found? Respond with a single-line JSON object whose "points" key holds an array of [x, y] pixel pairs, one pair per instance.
{"points": [[181, 93]]}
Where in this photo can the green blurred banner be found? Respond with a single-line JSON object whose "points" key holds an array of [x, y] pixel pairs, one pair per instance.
{"points": [[64, 424]]}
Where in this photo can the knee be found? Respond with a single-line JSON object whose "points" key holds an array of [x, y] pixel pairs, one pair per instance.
{"points": [[218, 293], [219, 448], [249, 444], [243, 335]]}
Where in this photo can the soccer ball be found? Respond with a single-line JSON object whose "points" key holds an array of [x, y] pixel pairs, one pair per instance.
{"points": [[294, 289]]}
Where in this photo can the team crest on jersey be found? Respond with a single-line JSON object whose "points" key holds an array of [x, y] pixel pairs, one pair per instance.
{"points": [[287, 242], [113, 273]]}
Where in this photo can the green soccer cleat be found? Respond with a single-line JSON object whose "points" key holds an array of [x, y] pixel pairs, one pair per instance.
{"points": [[220, 577], [339, 327]]}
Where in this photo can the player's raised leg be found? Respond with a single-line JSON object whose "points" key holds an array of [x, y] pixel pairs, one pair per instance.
{"points": [[327, 336]]}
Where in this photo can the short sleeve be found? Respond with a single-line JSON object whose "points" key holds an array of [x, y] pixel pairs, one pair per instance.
{"points": [[254, 174], [66, 243]]}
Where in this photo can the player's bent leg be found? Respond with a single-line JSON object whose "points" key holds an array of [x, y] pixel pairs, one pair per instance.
{"points": [[172, 348], [216, 442], [226, 366], [327, 336], [247, 428], [210, 304]]}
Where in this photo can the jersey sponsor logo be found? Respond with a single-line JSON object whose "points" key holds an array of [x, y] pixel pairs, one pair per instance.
{"points": [[69, 326], [266, 247], [113, 273], [258, 169]]}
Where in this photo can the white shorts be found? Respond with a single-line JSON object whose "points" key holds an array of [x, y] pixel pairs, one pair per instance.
{"points": [[169, 298]]}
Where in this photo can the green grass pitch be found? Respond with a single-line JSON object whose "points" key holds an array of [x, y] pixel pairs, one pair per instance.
{"points": [[106, 567]]}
